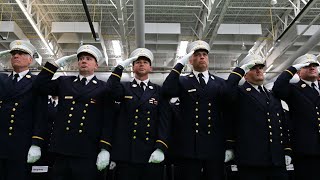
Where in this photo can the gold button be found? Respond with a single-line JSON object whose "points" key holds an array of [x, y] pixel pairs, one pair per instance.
{"points": [[137, 110], [16, 104], [197, 116], [196, 109], [148, 125], [197, 131], [0, 101], [135, 123], [67, 128], [84, 111], [73, 102], [270, 133], [209, 132], [209, 111], [281, 134], [147, 132], [13, 109], [197, 124], [70, 115], [136, 117], [12, 116], [267, 102], [270, 127], [147, 139], [268, 113], [71, 108], [269, 120], [134, 137], [209, 118], [270, 140], [280, 127], [10, 128], [209, 104], [69, 121], [12, 121], [148, 119], [197, 102], [10, 134], [80, 131], [134, 131], [279, 121], [318, 118], [148, 112], [209, 125], [81, 124], [281, 142], [278, 114], [86, 105], [83, 118]]}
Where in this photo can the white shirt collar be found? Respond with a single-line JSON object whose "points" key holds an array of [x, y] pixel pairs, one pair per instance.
{"points": [[256, 86], [88, 78], [205, 74], [21, 74], [309, 83], [145, 81]]}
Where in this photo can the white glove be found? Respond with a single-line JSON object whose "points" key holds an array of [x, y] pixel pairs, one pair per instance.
{"points": [[127, 62], [3, 53], [63, 61], [247, 67], [157, 156], [103, 159], [112, 165], [185, 58], [229, 155], [34, 154], [287, 160], [299, 66]]}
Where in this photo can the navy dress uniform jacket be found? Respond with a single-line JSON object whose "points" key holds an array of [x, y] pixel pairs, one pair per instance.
{"points": [[81, 127], [304, 112], [23, 117], [200, 132], [139, 128], [259, 125]]}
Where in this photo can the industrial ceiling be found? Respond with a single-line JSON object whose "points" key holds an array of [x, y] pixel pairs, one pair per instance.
{"points": [[278, 30]]}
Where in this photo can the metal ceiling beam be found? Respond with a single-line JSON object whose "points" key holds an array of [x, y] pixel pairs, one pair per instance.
{"points": [[220, 20], [208, 17], [123, 26], [139, 22]]}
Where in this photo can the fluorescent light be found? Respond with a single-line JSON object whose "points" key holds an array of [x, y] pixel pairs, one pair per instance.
{"points": [[116, 47], [33, 24], [269, 68], [182, 49]]}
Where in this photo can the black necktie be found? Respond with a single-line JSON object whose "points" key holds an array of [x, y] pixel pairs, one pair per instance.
{"points": [[142, 85], [83, 81], [201, 80], [15, 79], [262, 92], [313, 85]]}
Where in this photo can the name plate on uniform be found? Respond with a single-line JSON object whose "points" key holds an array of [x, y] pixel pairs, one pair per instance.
{"points": [[290, 167], [39, 169], [128, 97], [234, 168], [192, 90], [68, 97]]}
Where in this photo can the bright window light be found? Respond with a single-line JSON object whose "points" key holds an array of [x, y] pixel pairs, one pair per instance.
{"points": [[116, 47], [182, 49]]}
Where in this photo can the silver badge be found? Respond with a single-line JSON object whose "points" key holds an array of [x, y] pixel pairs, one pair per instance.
{"points": [[94, 81], [150, 87], [134, 85], [303, 85]]}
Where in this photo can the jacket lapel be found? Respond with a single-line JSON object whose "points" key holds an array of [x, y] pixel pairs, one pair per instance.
{"points": [[255, 95], [85, 90], [25, 84], [135, 88], [148, 93], [307, 91]]}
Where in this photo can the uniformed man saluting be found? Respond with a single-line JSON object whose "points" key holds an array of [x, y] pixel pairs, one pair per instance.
{"points": [[304, 108], [22, 115], [198, 140], [139, 140], [260, 131], [82, 128]]}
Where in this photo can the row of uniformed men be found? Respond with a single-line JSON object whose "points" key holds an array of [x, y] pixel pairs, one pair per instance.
{"points": [[85, 132]]}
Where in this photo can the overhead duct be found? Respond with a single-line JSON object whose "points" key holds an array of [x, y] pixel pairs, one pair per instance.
{"points": [[139, 22], [310, 44]]}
